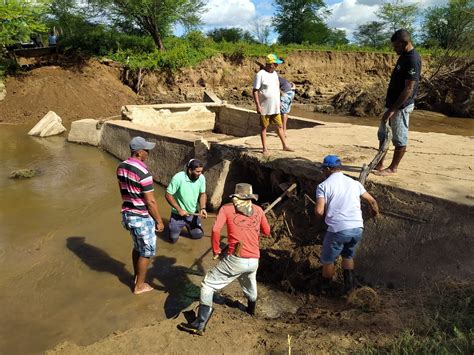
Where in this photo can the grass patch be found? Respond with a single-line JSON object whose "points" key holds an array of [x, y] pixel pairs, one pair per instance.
{"points": [[445, 325]]}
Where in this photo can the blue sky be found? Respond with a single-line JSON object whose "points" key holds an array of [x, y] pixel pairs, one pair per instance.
{"points": [[346, 14]]}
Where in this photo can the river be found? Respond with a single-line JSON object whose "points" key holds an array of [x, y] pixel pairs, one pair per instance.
{"points": [[65, 259]]}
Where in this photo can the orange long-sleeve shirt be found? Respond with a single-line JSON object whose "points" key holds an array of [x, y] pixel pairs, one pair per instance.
{"points": [[240, 228]]}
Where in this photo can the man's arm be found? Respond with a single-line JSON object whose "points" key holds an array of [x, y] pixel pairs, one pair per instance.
{"points": [[319, 207], [256, 98], [175, 204], [216, 232], [202, 204], [152, 207], [374, 207], [265, 226], [404, 96]]}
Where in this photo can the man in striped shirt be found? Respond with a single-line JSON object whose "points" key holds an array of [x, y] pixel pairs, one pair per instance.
{"points": [[140, 214]]}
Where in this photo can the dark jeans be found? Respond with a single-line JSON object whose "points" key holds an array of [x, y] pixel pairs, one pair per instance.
{"points": [[192, 223]]}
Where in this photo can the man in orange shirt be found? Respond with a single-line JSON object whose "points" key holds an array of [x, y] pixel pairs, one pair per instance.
{"points": [[244, 222]]}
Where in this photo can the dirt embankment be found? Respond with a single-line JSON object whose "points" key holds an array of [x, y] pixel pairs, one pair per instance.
{"points": [[320, 78], [332, 82], [89, 91]]}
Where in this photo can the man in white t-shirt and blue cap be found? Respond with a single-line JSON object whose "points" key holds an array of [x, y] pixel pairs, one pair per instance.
{"points": [[338, 200]]}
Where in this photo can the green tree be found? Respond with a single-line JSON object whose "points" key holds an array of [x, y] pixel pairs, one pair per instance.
{"points": [[371, 34], [450, 26], [232, 34], [298, 21], [156, 17], [337, 37], [395, 15], [261, 31], [19, 19]]}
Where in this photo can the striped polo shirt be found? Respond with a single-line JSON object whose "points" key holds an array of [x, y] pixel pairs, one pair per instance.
{"points": [[134, 179]]}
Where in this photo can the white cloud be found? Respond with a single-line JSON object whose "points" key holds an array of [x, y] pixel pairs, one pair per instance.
{"points": [[421, 3], [349, 14], [228, 13]]}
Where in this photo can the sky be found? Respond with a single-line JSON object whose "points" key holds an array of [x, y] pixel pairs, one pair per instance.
{"points": [[346, 14]]}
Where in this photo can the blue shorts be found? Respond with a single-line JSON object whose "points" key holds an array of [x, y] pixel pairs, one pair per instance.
{"points": [[285, 101], [192, 223], [399, 125], [342, 243], [142, 230]]}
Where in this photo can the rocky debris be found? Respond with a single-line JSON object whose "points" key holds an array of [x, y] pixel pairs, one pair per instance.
{"points": [[328, 109], [359, 101], [49, 125], [85, 131], [23, 174]]}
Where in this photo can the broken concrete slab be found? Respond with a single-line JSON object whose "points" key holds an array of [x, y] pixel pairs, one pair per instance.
{"points": [[191, 118], [49, 125], [86, 131]]}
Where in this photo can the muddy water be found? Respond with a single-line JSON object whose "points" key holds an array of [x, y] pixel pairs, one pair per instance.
{"points": [[64, 257], [420, 121]]}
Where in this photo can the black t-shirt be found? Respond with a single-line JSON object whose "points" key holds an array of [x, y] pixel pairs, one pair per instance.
{"points": [[408, 67]]}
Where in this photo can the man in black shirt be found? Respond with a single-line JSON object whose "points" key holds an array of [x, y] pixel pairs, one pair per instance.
{"points": [[400, 100]]}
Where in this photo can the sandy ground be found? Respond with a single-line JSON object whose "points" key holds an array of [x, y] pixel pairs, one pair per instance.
{"points": [[435, 164]]}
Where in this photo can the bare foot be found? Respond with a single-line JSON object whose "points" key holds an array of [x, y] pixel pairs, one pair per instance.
{"points": [[385, 172], [378, 168], [144, 288], [265, 153], [288, 149]]}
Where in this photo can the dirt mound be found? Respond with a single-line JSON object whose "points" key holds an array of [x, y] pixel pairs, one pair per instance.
{"points": [[90, 91], [360, 102]]}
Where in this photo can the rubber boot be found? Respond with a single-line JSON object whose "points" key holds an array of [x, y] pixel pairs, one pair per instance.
{"points": [[251, 307], [348, 280], [198, 326], [326, 286]]}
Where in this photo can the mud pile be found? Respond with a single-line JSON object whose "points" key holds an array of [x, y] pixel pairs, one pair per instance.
{"points": [[74, 92]]}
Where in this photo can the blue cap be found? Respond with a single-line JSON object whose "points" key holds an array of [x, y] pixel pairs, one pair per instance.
{"points": [[331, 161], [139, 143]]}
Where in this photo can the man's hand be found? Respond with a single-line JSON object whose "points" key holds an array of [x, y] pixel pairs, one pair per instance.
{"points": [[183, 213], [203, 213], [387, 116], [159, 226], [259, 109]]}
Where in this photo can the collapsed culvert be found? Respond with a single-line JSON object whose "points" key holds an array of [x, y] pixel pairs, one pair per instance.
{"points": [[418, 237]]}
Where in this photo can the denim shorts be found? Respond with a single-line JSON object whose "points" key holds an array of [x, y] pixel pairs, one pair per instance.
{"points": [[285, 101], [342, 243], [142, 230], [399, 124]]}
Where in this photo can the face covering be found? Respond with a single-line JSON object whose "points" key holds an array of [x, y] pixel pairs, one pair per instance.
{"points": [[243, 206]]}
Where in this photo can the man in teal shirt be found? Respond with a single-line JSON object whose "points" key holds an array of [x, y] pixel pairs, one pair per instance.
{"points": [[186, 194]]}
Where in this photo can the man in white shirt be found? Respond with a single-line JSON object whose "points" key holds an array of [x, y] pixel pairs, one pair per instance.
{"points": [[338, 197], [266, 93]]}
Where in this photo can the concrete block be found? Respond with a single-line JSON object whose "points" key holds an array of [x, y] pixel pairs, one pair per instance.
{"points": [[86, 131], [49, 125], [210, 96], [196, 118]]}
